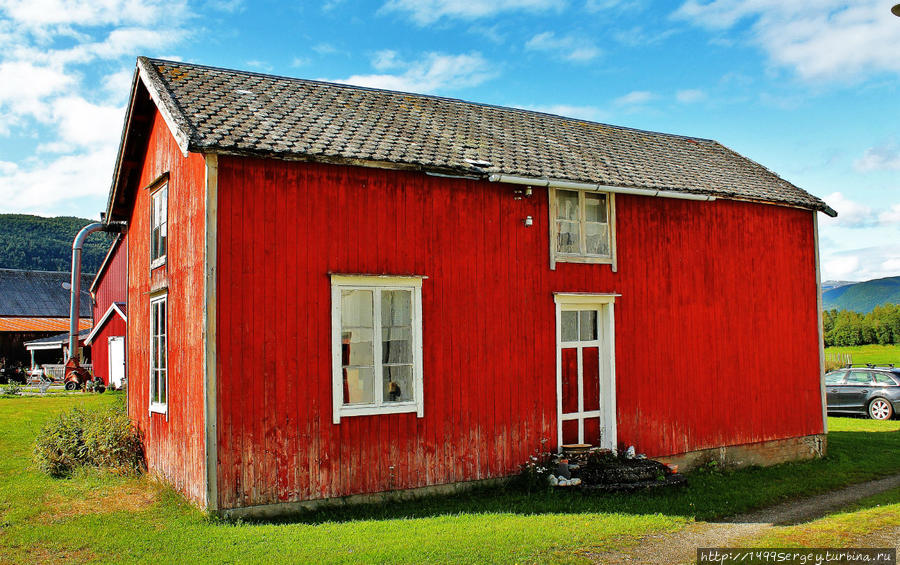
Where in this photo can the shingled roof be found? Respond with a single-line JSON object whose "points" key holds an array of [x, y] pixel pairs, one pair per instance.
{"points": [[219, 110], [40, 293]]}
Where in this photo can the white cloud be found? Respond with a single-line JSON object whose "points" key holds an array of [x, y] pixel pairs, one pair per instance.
{"points": [[434, 72], [40, 187], [41, 14], [24, 87], [891, 216], [884, 157], [826, 40], [862, 264], [634, 98], [65, 73], [690, 96], [569, 47], [851, 214], [425, 12]]}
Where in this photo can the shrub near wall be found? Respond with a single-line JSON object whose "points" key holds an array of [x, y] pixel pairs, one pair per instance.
{"points": [[98, 438]]}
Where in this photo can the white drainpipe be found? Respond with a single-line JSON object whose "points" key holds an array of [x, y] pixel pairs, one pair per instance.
{"points": [[74, 306]]}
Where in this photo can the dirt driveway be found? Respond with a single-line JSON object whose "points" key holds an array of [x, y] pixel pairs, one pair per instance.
{"points": [[681, 547]]}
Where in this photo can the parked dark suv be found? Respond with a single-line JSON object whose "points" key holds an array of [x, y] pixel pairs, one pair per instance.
{"points": [[868, 389]]}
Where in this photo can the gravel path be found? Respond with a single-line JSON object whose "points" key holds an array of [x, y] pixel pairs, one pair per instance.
{"points": [[681, 547]]}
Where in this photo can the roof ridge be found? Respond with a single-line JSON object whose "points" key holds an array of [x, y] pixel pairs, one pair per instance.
{"points": [[40, 271], [421, 95]]}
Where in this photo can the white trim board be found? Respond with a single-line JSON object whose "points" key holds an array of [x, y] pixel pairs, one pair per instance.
{"points": [[114, 307]]}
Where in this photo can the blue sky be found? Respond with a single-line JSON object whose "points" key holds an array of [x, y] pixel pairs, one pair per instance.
{"points": [[809, 89]]}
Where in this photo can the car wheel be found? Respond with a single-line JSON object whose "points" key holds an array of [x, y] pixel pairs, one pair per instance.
{"points": [[71, 385], [880, 409]]}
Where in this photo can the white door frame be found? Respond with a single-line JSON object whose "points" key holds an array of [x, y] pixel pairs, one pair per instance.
{"points": [[604, 305], [109, 359]]}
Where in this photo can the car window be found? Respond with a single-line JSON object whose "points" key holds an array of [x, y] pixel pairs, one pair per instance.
{"points": [[883, 379], [859, 378], [834, 377]]}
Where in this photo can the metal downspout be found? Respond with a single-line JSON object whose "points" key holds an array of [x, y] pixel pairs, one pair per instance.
{"points": [[75, 303]]}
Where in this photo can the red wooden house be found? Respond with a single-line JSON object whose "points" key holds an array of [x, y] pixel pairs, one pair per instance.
{"points": [[109, 293], [337, 291]]}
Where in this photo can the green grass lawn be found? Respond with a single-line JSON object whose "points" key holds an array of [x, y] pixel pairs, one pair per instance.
{"points": [[101, 517], [878, 354]]}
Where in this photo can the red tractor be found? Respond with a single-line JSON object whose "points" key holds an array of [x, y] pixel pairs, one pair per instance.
{"points": [[79, 377]]}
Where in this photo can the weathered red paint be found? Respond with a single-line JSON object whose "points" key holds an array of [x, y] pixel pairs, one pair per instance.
{"points": [[712, 293], [174, 442], [111, 285]]}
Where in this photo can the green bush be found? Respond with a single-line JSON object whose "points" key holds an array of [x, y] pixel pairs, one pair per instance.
{"points": [[98, 438], [12, 389]]}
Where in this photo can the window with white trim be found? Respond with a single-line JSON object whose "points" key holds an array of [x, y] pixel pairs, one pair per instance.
{"points": [[159, 223], [376, 345], [582, 226], [159, 373]]}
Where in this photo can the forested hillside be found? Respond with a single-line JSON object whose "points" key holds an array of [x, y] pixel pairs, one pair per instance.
{"points": [[45, 244], [862, 296]]}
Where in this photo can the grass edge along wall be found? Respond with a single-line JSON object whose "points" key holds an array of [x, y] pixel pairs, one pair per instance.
{"points": [[253, 243]]}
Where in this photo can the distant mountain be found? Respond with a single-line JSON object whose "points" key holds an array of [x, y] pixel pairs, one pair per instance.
{"points": [[828, 285], [862, 296], [35, 243]]}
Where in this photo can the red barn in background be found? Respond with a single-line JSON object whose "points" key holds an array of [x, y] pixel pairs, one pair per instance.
{"points": [[338, 291], [109, 294]]}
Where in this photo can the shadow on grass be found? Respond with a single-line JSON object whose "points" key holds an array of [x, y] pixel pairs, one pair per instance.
{"points": [[853, 457]]}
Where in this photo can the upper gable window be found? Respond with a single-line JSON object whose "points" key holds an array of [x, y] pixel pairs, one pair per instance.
{"points": [[159, 225], [376, 345], [582, 226]]}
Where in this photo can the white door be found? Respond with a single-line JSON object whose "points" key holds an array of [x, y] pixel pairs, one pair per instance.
{"points": [[116, 361], [585, 370]]}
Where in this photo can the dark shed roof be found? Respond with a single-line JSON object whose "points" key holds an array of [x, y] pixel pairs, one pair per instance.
{"points": [[40, 293], [212, 109], [58, 339]]}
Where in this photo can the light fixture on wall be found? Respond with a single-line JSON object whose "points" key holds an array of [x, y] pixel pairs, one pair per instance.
{"points": [[521, 193], [528, 221]]}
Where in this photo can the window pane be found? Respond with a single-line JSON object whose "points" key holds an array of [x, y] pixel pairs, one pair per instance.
{"points": [[597, 238], [356, 309], [398, 383], [154, 244], [883, 379], [567, 240], [567, 205], [396, 308], [594, 207], [359, 385], [569, 322], [357, 347], [162, 387], [162, 318], [859, 377], [162, 240], [396, 345], [588, 325], [163, 362], [396, 320], [834, 377]]}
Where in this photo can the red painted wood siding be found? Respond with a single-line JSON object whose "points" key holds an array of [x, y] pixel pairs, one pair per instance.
{"points": [[113, 284], [100, 346], [174, 442], [112, 287], [716, 328]]}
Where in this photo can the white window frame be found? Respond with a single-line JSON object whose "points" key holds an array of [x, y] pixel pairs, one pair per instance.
{"points": [[375, 283], [604, 305], [158, 407], [556, 256], [154, 196]]}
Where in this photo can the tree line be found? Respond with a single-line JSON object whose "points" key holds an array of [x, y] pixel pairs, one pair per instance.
{"points": [[845, 327]]}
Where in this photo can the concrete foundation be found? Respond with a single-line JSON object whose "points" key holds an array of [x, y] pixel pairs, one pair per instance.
{"points": [[764, 453]]}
